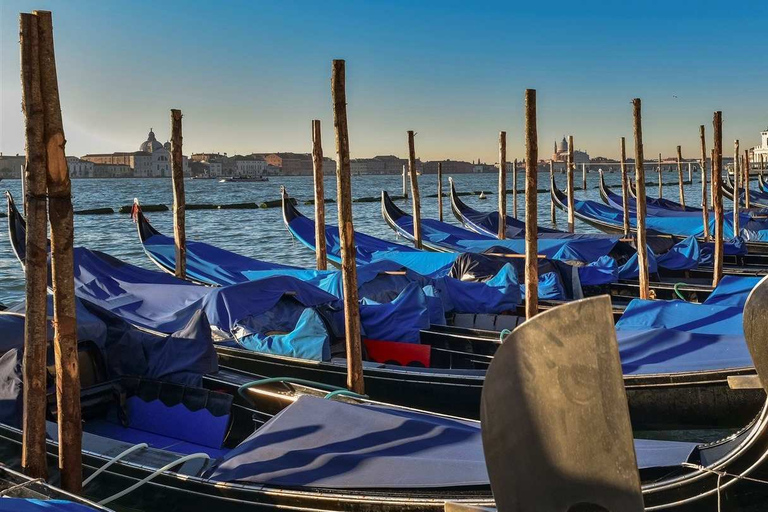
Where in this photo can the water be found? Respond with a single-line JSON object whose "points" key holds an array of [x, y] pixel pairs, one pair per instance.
{"points": [[261, 233]]}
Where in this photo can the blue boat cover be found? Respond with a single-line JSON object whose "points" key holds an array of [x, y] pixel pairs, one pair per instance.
{"points": [[36, 505], [681, 316], [326, 444], [732, 291]]}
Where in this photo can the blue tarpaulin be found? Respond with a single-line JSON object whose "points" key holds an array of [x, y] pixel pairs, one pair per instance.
{"points": [[732, 291]]}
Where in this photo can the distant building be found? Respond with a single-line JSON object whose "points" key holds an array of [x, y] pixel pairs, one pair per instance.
{"points": [[295, 164], [79, 168], [152, 160], [111, 171], [12, 166], [761, 150], [383, 164], [449, 167], [561, 153], [250, 167]]}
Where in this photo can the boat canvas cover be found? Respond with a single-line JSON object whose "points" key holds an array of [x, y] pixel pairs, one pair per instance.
{"points": [[36, 505], [732, 291], [328, 444], [677, 337]]}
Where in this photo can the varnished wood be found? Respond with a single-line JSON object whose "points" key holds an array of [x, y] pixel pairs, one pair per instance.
{"points": [[33, 458], [624, 185], [321, 255], [514, 188], [642, 247], [736, 185], [680, 175], [717, 164], [346, 230], [661, 184], [531, 206], [552, 208], [503, 185], [415, 198], [704, 202], [569, 184], [179, 198], [62, 266], [746, 168]]}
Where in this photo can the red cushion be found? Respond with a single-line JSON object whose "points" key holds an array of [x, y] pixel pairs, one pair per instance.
{"points": [[394, 352]]}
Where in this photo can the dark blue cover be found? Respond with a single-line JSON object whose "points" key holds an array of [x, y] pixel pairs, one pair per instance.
{"points": [[324, 444], [36, 505], [732, 291]]}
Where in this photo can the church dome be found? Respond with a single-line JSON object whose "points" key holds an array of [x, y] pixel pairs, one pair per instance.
{"points": [[563, 146], [151, 143], [167, 145]]}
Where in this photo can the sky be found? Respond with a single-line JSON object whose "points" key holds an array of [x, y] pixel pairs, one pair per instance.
{"points": [[249, 76]]}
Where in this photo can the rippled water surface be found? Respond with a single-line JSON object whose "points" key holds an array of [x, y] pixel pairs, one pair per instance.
{"points": [[261, 233]]}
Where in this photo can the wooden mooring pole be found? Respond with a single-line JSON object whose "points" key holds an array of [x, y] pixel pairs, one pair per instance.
{"points": [[62, 266], [704, 202], [531, 208], [584, 176], [346, 230], [746, 167], [33, 454], [552, 208], [569, 184], [405, 182], [416, 201], [321, 256], [440, 191], [680, 175], [624, 185], [514, 187], [503, 185], [179, 199], [661, 181], [736, 186], [717, 163], [642, 247]]}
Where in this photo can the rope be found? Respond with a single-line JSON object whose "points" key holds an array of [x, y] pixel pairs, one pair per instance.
{"points": [[153, 475], [503, 334], [21, 485], [343, 392], [113, 460], [720, 475], [677, 291]]}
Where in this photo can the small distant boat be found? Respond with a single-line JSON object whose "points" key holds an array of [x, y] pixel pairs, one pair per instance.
{"points": [[482, 195], [238, 179]]}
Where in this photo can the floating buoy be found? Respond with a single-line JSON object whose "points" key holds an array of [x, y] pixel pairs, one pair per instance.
{"points": [[482, 195]]}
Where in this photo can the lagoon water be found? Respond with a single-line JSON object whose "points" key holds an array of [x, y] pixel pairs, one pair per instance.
{"points": [[261, 233]]}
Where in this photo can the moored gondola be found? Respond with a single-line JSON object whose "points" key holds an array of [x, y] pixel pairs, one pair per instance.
{"points": [[20, 493]]}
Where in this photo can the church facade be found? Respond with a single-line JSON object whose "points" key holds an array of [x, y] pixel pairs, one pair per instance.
{"points": [[560, 153], [152, 160]]}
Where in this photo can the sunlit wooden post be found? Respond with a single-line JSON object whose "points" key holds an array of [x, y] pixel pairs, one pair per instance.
{"points": [[514, 188], [704, 205], [405, 182], [321, 255], [346, 230], [642, 247], [33, 455], [746, 166], [569, 184], [624, 185], [62, 266], [717, 163], [503, 185], [440, 191], [661, 184], [584, 176], [690, 173], [416, 201], [179, 201], [736, 187], [552, 208], [680, 175], [531, 208]]}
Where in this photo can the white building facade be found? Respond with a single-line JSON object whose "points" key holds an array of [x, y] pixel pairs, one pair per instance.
{"points": [[79, 168]]}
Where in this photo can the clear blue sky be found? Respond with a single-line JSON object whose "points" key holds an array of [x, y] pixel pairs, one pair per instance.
{"points": [[249, 76]]}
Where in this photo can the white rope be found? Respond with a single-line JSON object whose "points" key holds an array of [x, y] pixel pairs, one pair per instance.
{"points": [[113, 460], [153, 475], [720, 475], [21, 485]]}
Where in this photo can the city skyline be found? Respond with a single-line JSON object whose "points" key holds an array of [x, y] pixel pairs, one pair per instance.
{"points": [[250, 77]]}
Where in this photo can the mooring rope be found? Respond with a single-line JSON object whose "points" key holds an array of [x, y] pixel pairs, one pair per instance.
{"points": [[113, 460], [720, 475], [21, 485]]}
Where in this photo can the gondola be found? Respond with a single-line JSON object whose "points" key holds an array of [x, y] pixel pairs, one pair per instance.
{"points": [[609, 220], [654, 206], [761, 183], [757, 198], [20, 493], [659, 394], [226, 442]]}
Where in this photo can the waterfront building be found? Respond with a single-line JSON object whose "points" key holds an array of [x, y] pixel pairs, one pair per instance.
{"points": [[249, 167], [561, 153], [79, 168], [761, 150], [111, 171], [152, 160], [449, 167], [12, 166]]}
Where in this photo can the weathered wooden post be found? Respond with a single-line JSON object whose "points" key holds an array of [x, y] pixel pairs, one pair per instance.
{"points": [[552, 208], [624, 186], [569, 184], [704, 205], [179, 201], [321, 255], [736, 187], [661, 184], [416, 201], [717, 164], [514, 188], [690, 173], [746, 179], [531, 208], [584, 176], [405, 182], [503, 185], [346, 230], [440, 191], [33, 454], [642, 247], [680, 175], [62, 265]]}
